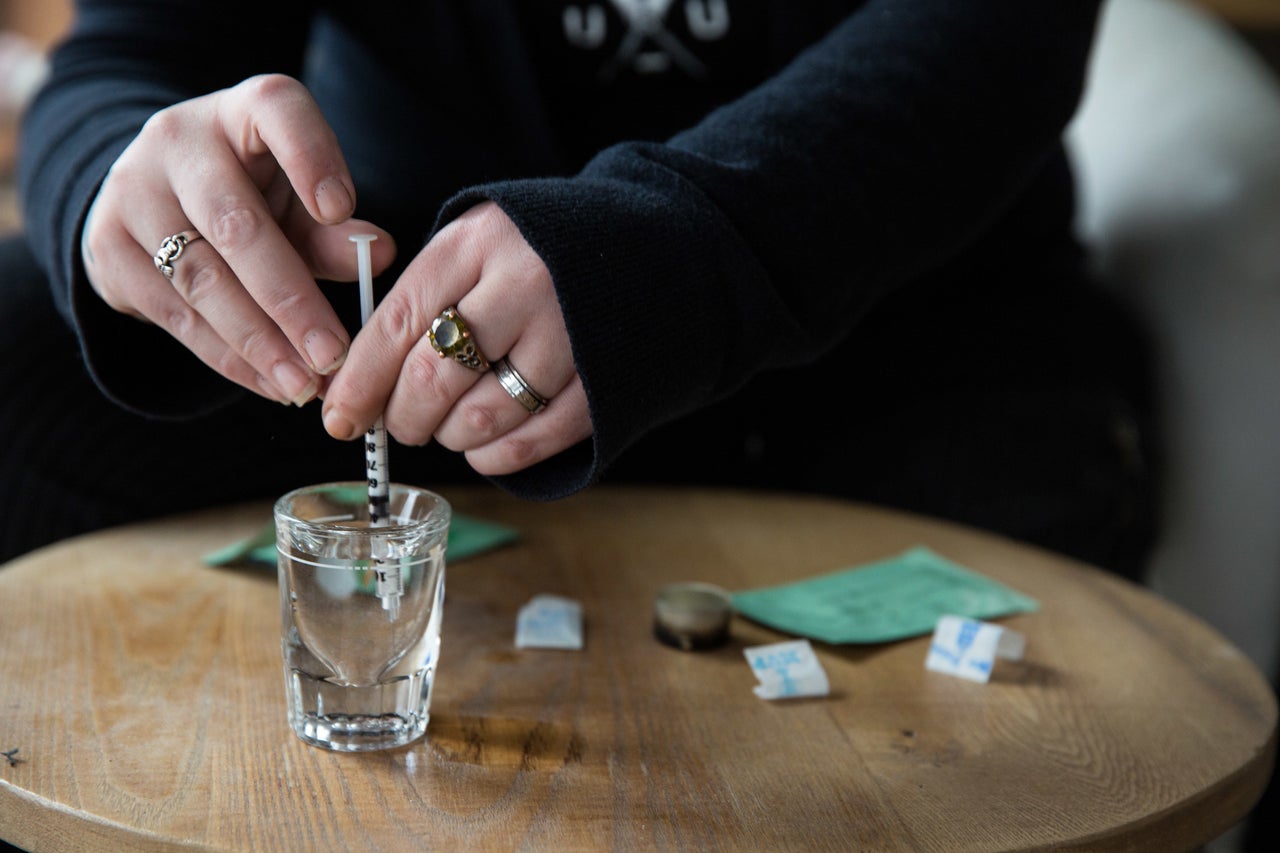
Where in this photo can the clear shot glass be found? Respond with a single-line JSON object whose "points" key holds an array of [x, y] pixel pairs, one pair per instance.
{"points": [[360, 609]]}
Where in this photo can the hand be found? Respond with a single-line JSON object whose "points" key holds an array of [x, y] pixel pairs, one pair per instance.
{"points": [[257, 172], [481, 264]]}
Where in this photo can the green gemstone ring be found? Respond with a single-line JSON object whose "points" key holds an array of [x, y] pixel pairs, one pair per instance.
{"points": [[451, 338]]}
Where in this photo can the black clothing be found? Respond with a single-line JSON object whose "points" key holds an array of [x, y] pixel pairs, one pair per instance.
{"points": [[795, 211]]}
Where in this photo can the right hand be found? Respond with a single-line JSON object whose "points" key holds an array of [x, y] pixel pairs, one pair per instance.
{"points": [[257, 172]]}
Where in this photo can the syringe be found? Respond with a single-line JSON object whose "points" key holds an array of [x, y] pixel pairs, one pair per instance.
{"points": [[390, 585]]}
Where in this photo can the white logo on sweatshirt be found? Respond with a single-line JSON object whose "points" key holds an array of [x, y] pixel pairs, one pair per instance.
{"points": [[647, 46]]}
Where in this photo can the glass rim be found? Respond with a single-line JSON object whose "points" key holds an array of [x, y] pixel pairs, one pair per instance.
{"points": [[437, 519]]}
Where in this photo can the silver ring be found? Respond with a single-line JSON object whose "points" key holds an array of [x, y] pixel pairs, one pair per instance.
{"points": [[450, 337], [519, 390], [171, 249]]}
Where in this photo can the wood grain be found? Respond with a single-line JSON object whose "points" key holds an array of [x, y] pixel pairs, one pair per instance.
{"points": [[145, 692]]}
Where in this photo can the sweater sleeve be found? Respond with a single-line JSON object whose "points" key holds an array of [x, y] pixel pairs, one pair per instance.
{"points": [[759, 238], [122, 62]]}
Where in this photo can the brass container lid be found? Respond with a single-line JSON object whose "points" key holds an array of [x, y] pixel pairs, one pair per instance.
{"points": [[692, 615]]}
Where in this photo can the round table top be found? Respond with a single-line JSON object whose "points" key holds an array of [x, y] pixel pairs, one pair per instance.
{"points": [[144, 692]]}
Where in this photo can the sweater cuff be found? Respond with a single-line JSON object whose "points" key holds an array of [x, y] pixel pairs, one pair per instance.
{"points": [[642, 267]]}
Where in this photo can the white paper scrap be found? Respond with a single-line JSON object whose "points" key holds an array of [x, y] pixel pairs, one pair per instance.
{"points": [[967, 648], [549, 622], [787, 670]]}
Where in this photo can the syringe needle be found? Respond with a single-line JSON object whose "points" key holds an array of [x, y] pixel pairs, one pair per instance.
{"points": [[390, 584]]}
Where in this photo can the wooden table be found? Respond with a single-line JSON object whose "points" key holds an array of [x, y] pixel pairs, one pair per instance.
{"points": [[144, 691]]}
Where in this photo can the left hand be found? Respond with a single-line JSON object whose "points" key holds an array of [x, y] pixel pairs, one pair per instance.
{"points": [[257, 172], [481, 264]]}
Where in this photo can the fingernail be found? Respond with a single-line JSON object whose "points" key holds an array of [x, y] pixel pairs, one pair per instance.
{"points": [[325, 349], [270, 391], [296, 382], [333, 200], [338, 426]]}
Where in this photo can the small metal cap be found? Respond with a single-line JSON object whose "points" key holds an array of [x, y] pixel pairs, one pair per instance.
{"points": [[692, 615]]}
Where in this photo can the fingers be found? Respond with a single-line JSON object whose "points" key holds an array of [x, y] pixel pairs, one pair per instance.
{"points": [[329, 251], [273, 119], [490, 409], [208, 308], [167, 309], [395, 344], [481, 265], [232, 214], [257, 171], [215, 298], [561, 425]]}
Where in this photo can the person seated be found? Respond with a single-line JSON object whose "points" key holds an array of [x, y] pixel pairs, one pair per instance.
{"points": [[823, 248]]}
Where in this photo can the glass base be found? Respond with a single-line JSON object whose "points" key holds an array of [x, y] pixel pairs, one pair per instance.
{"points": [[347, 718]]}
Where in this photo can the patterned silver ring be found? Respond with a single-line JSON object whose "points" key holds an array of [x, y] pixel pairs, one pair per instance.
{"points": [[171, 249], [519, 390]]}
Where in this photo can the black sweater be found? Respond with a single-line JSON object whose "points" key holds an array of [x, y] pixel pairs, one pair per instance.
{"points": [[739, 190]]}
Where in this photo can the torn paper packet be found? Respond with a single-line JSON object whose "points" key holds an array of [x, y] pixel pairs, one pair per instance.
{"points": [[967, 648], [549, 622], [787, 670]]}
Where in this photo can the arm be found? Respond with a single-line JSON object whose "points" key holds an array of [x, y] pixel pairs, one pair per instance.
{"points": [[759, 237]]}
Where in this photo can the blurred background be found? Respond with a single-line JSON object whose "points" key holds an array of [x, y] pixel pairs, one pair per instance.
{"points": [[27, 29], [1177, 152]]}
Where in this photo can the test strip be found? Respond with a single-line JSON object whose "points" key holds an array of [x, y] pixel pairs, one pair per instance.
{"points": [[787, 670], [968, 648]]}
